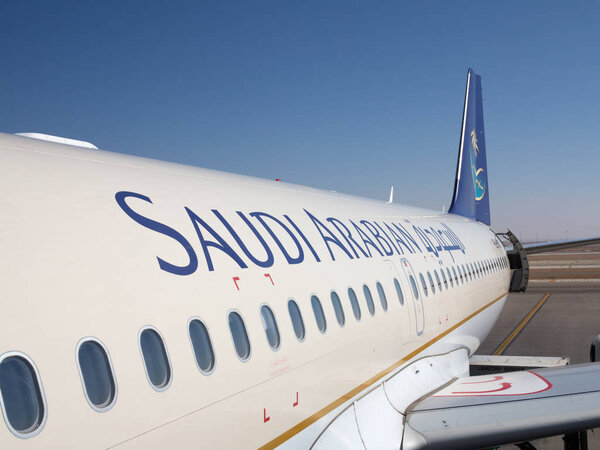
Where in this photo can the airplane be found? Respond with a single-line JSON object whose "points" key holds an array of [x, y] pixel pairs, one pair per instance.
{"points": [[147, 304]]}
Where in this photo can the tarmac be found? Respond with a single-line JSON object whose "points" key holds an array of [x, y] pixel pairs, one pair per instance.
{"points": [[558, 315]]}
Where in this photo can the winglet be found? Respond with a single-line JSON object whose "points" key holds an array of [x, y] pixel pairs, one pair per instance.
{"points": [[391, 195], [471, 188]]}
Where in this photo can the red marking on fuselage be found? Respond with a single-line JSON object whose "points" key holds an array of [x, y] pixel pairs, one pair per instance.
{"points": [[235, 280], [296, 402], [265, 418], [268, 275]]}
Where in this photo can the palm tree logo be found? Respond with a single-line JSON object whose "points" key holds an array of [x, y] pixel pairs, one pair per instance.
{"points": [[478, 173]]}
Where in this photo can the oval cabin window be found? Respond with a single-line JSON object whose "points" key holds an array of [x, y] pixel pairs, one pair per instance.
{"points": [[239, 335], [382, 297], [423, 284], [97, 375], [22, 399], [369, 298], [202, 346], [296, 318], [156, 361], [270, 327], [319, 315], [431, 284], [399, 290], [413, 286], [354, 303], [337, 308]]}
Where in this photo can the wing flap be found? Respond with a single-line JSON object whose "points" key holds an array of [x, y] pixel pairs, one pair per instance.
{"points": [[489, 410]]}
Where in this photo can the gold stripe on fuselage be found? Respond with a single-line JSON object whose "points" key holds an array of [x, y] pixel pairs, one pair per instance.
{"points": [[341, 400]]}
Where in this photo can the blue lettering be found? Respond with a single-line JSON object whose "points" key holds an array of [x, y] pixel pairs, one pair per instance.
{"points": [[330, 238], [219, 244], [267, 262], [162, 229], [347, 235], [260, 217], [367, 241], [385, 245], [310, 247]]}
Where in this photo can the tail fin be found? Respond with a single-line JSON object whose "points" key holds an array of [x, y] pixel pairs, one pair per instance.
{"points": [[471, 189]]}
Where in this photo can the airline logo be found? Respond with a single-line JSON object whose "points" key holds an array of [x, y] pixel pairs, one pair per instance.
{"points": [[511, 383], [236, 235], [479, 177]]}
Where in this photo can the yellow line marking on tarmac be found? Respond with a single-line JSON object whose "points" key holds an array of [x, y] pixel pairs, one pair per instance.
{"points": [[514, 333]]}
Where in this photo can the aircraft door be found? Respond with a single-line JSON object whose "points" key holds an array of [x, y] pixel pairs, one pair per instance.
{"points": [[415, 295]]}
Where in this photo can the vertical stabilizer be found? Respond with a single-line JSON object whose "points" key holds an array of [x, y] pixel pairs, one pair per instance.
{"points": [[471, 189]]}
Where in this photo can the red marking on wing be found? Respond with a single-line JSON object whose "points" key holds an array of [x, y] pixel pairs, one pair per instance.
{"points": [[503, 387], [235, 280], [548, 384], [496, 378], [265, 418]]}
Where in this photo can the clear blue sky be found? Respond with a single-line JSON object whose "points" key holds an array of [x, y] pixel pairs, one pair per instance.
{"points": [[351, 96]]}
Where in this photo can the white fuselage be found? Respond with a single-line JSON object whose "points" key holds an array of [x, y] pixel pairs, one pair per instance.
{"points": [[75, 264]]}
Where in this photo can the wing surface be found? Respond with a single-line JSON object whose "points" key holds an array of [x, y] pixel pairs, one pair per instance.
{"points": [[490, 410], [542, 247]]}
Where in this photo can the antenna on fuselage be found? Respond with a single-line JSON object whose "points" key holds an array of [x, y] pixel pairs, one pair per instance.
{"points": [[391, 196]]}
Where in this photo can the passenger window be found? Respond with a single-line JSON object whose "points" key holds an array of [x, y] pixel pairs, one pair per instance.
{"points": [[423, 284], [399, 291], [319, 315], [369, 298], [296, 318], [21, 395], [239, 335], [413, 285], [464, 272], [96, 374], [202, 346], [460, 273], [354, 303], [155, 358], [437, 279], [337, 307], [431, 283], [455, 275], [382, 297], [450, 277], [270, 327]]}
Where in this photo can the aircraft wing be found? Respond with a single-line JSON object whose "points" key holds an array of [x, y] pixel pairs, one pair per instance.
{"points": [[542, 247], [490, 410]]}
